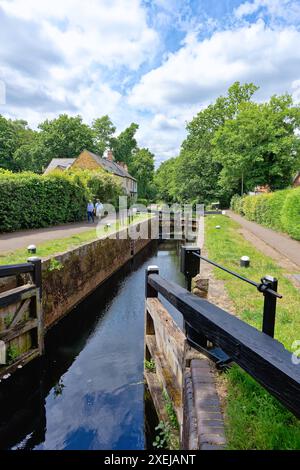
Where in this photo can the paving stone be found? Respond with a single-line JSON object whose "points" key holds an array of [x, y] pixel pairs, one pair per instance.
{"points": [[212, 422], [208, 415], [208, 430], [212, 439], [200, 364], [202, 378], [206, 446], [211, 434]]}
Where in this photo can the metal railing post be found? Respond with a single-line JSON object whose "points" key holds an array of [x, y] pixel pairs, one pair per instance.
{"points": [[37, 279], [189, 264], [269, 314], [160, 229], [190, 267], [37, 273], [149, 291]]}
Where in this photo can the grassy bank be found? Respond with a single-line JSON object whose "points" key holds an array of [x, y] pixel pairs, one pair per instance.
{"points": [[254, 419], [59, 245]]}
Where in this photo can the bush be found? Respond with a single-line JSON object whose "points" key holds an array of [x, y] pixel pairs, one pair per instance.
{"points": [[249, 206], [99, 185], [291, 214], [236, 204], [142, 201], [279, 210], [28, 200], [273, 215]]}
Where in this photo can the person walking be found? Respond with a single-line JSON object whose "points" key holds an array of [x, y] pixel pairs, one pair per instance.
{"points": [[98, 209], [90, 211]]}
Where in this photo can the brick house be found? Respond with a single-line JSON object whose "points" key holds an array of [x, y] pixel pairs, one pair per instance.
{"points": [[90, 161], [296, 180], [262, 189]]}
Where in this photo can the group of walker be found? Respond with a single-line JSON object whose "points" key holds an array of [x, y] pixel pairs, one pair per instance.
{"points": [[94, 210]]}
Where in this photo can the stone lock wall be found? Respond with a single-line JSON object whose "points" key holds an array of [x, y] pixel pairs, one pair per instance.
{"points": [[75, 274]]}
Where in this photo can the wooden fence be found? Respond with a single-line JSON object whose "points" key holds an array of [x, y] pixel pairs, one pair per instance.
{"points": [[21, 321]]}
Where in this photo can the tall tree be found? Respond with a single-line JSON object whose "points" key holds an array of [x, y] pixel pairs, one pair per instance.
{"points": [[142, 168], [197, 175], [33, 156], [125, 144], [103, 131], [260, 145], [8, 143], [164, 180], [66, 136], [13, 134]]}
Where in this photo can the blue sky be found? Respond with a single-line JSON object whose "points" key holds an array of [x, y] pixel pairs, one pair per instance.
{"points": [[155, 62]]}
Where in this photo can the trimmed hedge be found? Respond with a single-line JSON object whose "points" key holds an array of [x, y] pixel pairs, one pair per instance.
{"points": [[279, 210], [28, 200], [291, 214]]}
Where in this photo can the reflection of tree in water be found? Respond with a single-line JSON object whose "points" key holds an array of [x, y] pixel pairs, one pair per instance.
{"points": [[58, 388]]}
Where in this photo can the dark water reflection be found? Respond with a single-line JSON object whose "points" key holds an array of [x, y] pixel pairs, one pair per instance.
{"points": [[88, 391]]}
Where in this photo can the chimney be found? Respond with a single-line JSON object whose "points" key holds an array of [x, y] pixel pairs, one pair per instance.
{"points": [[110, 156], [123, 165]]}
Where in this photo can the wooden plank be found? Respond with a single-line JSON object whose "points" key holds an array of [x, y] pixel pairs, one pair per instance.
{"points": [[20, 362], [261, 356], [170, 339], [40, 321], [166, 377], [17, 294], [18, 330], [15, 269], [2, 353], [20, 312], [156, 389]]}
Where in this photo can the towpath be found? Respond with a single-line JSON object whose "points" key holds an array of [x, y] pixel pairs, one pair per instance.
{"points": [[279, 242], [14, 240]]}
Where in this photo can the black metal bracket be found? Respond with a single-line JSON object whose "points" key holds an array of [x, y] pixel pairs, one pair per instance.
{"points": [[217, 355], [199, 342]]}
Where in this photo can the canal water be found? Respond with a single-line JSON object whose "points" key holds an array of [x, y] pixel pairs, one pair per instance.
{"points": [[88, 391]]}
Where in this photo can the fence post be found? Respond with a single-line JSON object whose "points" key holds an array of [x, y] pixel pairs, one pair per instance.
{"points": [[269, 306], [37, 273], [190, 267], [160, 229], [189, 264], [37, 278], [149, 291]]}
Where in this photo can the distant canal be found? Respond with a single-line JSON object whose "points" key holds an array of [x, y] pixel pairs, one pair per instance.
{"points": [[88, 392]]}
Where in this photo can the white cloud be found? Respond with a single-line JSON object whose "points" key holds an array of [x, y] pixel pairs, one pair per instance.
{"points": [[288, 10], [195, 75], [59, 55], [109, 32], [201, 69], [162, 122], [2, 93], [296, 91]]}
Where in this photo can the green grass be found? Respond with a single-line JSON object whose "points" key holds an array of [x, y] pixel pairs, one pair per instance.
{"points": [[170, 411], [167, 436], [60, 245], [150, 365], [254, 419]]}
